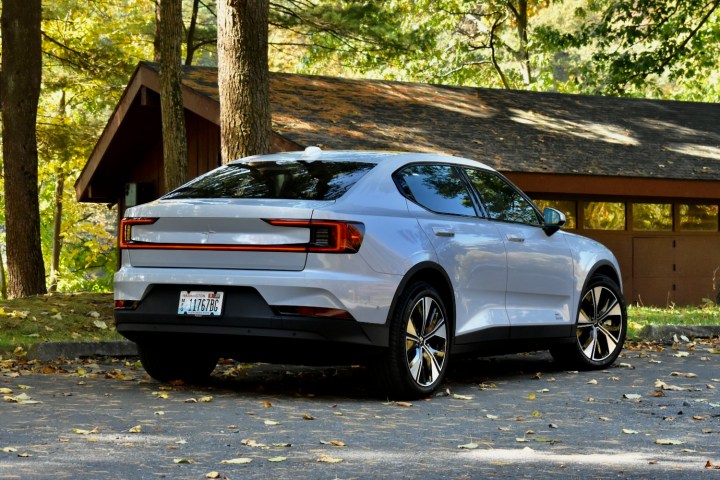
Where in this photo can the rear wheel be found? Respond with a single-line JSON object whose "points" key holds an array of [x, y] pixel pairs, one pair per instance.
{"points": [[417, 358], [601, 327], [181, 363]]}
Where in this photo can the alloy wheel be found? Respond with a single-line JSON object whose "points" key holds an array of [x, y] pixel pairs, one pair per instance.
{"points": [[426, 341], [600, 323]]}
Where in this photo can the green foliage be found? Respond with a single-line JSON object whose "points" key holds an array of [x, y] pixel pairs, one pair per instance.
{"points": [[90, 50], [642, 48]]}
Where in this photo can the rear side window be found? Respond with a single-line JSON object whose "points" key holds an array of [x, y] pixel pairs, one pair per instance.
{"points": [[439, 188], [294, 180]]}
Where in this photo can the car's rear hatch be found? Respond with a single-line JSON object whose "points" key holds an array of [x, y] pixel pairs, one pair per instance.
{"points": [[224, 233]]}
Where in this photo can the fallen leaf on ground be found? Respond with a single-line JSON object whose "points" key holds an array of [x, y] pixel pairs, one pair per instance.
{"points": [[8, 450], [682, 354], [183, 461], [592, 382], [469, 446], [271, 422], [80, 431], [277, 459], [307, 416], [680, 374], [462, 397], [627, 431], [668, 441], [665, 386], [632, 396], [136, 429], [252, 443], [403, 404], [237, 461], [212, 475], [328, 459], [334, 443]]}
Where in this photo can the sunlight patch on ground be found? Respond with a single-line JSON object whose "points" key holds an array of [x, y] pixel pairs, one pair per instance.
{"points": [[509, 456]]}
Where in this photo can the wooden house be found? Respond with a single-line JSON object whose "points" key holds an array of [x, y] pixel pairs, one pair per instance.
{"points": [[641, 176]]}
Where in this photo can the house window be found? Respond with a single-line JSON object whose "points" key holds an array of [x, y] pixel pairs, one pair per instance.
{"points": [[604, 216], [568, 207], [698, 218], [652, 217]]}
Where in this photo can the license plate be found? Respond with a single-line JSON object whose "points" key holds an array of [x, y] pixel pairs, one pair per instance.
{"points": [[200, 303]]}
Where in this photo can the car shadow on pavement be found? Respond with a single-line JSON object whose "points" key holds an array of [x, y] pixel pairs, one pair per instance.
{"points": [[358, 382]]}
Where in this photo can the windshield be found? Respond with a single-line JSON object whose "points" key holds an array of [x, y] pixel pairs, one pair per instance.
{"points": [[295, 180]]}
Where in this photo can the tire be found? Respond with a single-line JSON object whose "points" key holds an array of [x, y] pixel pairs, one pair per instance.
{"points": [[600, 330], [180, 363], [416, 360]]}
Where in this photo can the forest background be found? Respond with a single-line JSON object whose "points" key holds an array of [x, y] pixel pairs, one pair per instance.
{"points": [[635, 48]]}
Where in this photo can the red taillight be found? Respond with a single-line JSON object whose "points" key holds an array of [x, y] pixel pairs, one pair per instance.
{"points": [[126, 304], [328, 236], [126, 226]]}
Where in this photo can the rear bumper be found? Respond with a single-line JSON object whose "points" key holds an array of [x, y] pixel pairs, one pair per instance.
{"points": [[247, 325]]}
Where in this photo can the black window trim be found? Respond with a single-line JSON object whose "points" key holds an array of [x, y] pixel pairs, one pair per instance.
{"points": [[402, 186], [502, 177]]}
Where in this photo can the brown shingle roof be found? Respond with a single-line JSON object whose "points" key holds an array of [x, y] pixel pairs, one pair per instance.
{"points": [[514, 131]]}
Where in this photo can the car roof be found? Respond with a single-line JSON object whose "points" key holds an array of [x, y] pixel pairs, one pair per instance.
{"points": [[365, 156]]}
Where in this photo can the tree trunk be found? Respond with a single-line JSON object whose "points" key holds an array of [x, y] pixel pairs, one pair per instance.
{"points": [[522, 29], [62, 146], [175, 152], [3, 285], [243, 78], [22, 70], [190, 39]]}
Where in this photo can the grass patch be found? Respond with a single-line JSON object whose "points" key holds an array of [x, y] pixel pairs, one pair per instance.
{"points": [[56, 317], [639, 317]]}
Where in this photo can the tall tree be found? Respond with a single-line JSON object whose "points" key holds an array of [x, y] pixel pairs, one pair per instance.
{"points": [[175, 150], [19, 92], [243, 78]]}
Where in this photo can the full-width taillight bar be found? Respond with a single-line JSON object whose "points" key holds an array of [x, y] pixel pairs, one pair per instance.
{"points": [[326, 236]]}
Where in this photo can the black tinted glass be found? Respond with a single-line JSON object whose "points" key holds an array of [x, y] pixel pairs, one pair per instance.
{"points": [[439, 188], [295, 180], [502, 201]]}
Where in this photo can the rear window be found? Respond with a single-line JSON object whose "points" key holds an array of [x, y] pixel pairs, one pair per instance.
{"points": [[295, 180]]}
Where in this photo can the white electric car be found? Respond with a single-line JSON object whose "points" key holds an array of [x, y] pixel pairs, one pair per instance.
{"points": [[397, 260]]}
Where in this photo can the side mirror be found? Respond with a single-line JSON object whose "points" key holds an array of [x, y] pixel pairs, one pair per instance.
{"points": [[553, 220]]}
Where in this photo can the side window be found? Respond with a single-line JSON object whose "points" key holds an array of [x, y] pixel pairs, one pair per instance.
{"points": [[502, 201], [439, 188]]}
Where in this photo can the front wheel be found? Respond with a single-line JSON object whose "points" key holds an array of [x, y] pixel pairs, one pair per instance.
{"points": [[417, 358], [181, 363], [600, 330]]}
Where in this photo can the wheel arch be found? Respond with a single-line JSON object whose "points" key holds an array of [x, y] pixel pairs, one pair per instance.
{"points": [[607, 269], [436, 276]]}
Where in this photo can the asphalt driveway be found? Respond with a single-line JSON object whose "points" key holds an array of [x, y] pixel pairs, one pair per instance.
{"points": [[656, 414]]}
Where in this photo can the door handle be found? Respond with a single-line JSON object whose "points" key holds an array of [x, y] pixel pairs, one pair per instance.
{"points": [[443, 232], [515, 239]]}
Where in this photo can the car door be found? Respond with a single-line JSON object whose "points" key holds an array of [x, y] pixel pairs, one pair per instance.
{"points": [[469, 248], [540, 284]]}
